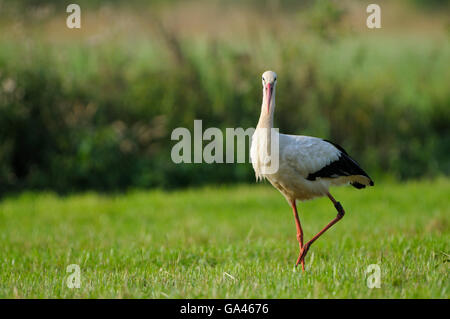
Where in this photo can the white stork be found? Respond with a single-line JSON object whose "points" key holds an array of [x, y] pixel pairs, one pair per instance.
{"points": [[308, 166]]}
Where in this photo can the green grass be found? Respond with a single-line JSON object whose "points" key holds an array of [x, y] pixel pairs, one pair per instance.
{"points": [[153, 244]]}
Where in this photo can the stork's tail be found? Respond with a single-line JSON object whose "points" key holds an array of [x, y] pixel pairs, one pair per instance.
{"points": [[344, 170], [361, 185]]}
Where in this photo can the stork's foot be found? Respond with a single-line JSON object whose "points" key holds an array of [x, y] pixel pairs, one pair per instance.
{"points": [[300, 261], [301, 256]]}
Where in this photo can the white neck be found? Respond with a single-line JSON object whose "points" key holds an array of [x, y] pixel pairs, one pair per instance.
{"points": [[266, 117], [262, 138]]}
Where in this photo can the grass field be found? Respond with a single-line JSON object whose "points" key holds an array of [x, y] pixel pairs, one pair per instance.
{"points": [[231, 242]]}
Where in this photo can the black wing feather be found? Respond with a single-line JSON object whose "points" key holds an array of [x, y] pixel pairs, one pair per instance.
{"points": [[343, 166]]}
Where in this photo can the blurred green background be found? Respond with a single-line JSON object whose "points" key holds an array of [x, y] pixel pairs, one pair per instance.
{"points": [[93, 109]]}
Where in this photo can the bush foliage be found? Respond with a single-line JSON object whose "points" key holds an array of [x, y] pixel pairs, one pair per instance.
{"points": [[99, 115]]}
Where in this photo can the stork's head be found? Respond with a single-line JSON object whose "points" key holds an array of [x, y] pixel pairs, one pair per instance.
{"points": [[269, 81]]}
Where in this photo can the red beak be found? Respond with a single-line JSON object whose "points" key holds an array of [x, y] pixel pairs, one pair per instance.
{"points": [[269, 95]]}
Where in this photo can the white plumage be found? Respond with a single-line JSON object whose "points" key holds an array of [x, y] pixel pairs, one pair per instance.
{"points": [[300, 156], [308, 166]]}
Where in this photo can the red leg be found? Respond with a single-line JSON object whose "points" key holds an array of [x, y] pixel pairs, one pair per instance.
{"points": [[339, 216], [299, 230]]}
